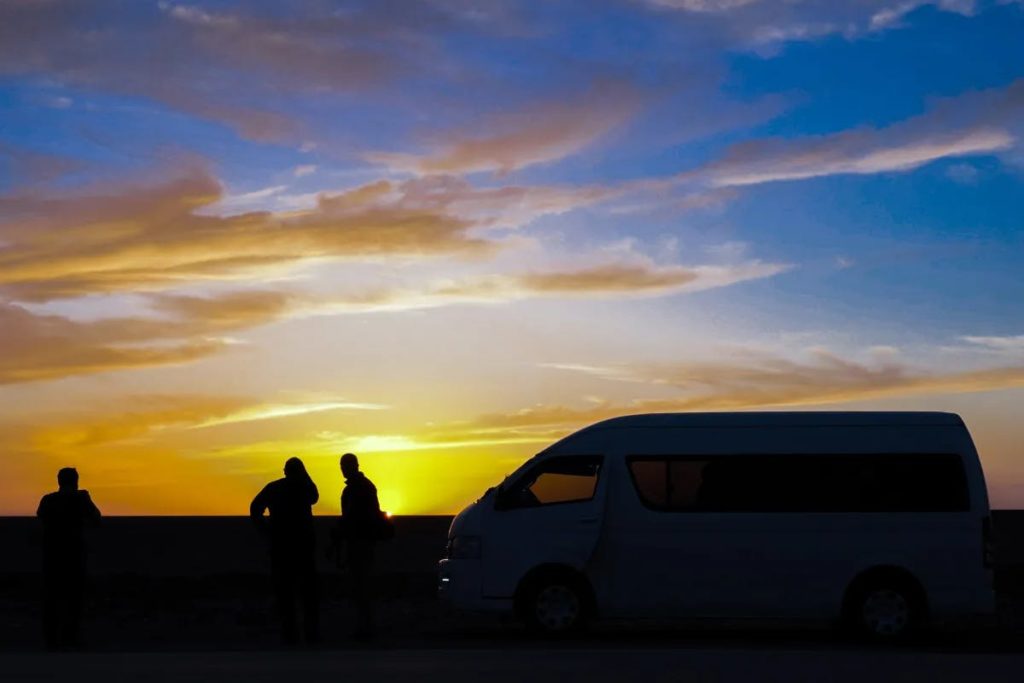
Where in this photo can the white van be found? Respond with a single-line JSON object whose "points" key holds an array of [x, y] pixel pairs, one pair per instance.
{"points": [[878, 519]]}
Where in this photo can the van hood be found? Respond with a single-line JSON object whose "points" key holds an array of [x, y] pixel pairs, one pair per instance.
{"points": [[469, 521]]}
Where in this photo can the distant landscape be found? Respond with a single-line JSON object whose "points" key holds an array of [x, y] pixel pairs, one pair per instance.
{"points": [[203, 582]]}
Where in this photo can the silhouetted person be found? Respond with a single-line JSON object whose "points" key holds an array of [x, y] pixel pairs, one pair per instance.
{"points": [[359, 528], [65, 513], [292, 547]]}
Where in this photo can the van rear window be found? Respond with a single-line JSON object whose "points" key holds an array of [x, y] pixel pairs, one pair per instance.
{"points": [[802, 483]]}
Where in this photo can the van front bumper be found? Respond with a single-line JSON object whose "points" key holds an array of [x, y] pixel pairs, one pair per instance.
{"points": [[458, 586]]}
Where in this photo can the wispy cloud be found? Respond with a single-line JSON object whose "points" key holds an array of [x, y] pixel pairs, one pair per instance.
{"points": [[823, 377], [274, 411], [159, 237], [153, 416], [856, 153], [622, 279], [1012, 343], [760, 22], [225, 64], [756, 382], [23, 166], [538, 134], [38, 347], [180, 328], [980, 123]]}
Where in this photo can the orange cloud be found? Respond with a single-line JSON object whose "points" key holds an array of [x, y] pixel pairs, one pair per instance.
{"points": [[184, 328], [763, 381], [609, 279], [152, 238], [535, 135], [37, 347], [152, 416]]}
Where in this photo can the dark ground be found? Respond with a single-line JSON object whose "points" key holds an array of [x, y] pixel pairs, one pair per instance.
{"points": [[201, 584]]}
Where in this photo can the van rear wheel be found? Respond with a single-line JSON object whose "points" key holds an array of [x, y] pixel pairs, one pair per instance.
{"points": [[555, 604]]}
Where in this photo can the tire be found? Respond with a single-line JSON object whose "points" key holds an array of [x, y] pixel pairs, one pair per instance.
{"points": [[885, 611], [555, 604]]}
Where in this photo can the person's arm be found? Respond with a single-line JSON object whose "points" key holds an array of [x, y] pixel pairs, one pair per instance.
{"points": [[91, 512], [314, 494], [41, 511], [337, 541], [257, 507], [374, 501]]}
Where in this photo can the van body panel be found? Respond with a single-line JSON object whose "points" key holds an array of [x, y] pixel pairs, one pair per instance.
{"points": [[643, 560], [565, 534]]}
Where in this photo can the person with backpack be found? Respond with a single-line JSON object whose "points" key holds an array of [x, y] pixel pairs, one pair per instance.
{"points": [[361, 525]]}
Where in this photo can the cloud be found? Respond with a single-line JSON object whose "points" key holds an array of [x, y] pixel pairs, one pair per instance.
{"points": [[997, 343], [857, 153], [890, 16], [766, 22], [28, 167], [180, 328], [757, 382], [274, 411], [126, 239], [38, 347], [220, 63], [975, 123], [154, 415], [609, 280], [711, 6], [536, 135], [823, 377], [963, 174], [227, 311]]}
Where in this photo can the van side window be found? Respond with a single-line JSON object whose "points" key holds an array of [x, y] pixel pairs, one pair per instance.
{"points": [[651, 480], [564, 479], [803, 483]]}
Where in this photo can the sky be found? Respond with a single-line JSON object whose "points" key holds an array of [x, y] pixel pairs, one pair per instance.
{"points": [[443, 234]]}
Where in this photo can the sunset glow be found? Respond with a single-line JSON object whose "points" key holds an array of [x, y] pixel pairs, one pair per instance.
{"points": [[442, 235]]}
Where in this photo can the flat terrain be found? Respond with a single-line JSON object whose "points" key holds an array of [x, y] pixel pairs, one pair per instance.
{"points": [[189, 599], [516, 664]]}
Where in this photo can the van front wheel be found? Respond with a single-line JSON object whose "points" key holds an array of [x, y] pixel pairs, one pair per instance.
{"points": [[885, 611], [555, 604]]}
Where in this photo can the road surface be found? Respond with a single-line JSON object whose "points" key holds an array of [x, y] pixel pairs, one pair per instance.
{"points": [[523, 664]]}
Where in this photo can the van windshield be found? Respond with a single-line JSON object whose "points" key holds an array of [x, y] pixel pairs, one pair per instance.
{"points": [[514, 474]]}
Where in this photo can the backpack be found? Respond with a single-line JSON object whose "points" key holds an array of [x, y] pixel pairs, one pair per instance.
{"points": [[384, 528]]}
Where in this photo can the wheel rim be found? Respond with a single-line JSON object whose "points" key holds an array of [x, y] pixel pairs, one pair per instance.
{"points": [[557, 607], [886, 612]]}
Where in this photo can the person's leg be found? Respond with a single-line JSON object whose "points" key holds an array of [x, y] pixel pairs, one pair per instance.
{"points": [[73, 596], [51, 608], [283, 576], [310, 600], [361, 586]]}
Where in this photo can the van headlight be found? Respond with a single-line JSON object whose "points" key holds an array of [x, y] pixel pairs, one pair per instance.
{"points": [[464, 547]]}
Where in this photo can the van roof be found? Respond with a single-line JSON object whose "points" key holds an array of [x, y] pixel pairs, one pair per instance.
{"points": [[779, 419]]}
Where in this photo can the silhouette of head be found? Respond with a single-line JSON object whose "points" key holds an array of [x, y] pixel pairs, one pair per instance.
{"points": [[349, 464], [67, 479], [293, 468]]}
